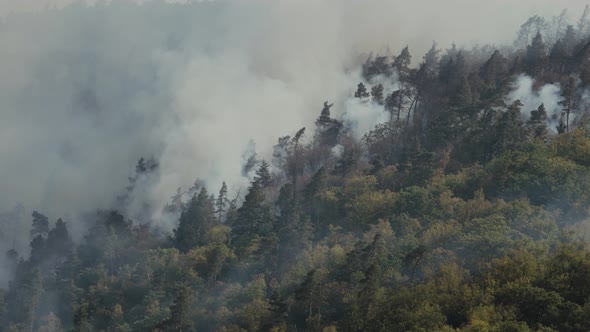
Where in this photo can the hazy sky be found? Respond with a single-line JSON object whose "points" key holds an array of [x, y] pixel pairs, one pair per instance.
{"points": [[465, 20]]}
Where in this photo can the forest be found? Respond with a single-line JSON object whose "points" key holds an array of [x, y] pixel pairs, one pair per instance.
{"points": [[466, 209]]}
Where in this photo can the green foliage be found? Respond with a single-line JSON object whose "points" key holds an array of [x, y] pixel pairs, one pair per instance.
{"points": [[457, 214]]}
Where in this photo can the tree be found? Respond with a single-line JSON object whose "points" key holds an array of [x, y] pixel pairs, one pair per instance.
{"points": [[253, 227], [180, 320], [361, 92], [379, 66], [289, 154], [509, 128], [583, 22], [311, 296], [464, 96], [40, 225], [533, 25], [328, 128], [561, 127], [431, 61], [494, 71], [51, 323], [536, 55], [538, 123], [59, 242], [221, 202], [570, 39], [195, 222], [262, 179], [402, 65], [568, 104], [24, 295], [558, 56], [377, 93]]}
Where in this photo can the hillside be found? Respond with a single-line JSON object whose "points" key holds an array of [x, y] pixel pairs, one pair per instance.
{"points": [[449, 191]]}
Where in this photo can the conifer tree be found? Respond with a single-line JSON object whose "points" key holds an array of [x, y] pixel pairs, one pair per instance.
{"points": [[40, 225], [537, 123], [568, 104], [254, 222], [328, 128], [361, 91], [221, 202], [536, 56], [195, 222], [402, 65], [377, 93]]}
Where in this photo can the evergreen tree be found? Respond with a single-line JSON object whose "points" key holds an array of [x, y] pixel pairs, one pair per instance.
{"points": [[195, 222], [377, 93], [221, 202], [40, 225], [570, 40], [361, 92], [180, 318], [537, 123], [494, 71], [379, 66], [328, 128], [464, 96], [568, 104], [536, 56], [392, 102], [402, 65], [59, 245], [509, 132], [431, 61], [253, 228]]}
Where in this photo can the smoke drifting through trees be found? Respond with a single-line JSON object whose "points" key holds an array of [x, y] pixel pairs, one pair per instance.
{"points": [[205, 93], [104, 85]]}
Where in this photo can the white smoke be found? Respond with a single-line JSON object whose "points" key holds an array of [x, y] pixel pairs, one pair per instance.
{"points": [[532, 97]]}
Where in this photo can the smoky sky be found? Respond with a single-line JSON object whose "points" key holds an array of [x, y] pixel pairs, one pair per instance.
{"points": [[87, 90]]}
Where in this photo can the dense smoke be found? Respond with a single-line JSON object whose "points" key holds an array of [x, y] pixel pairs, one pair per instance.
{"points": [[531, 97], [87, 91]]}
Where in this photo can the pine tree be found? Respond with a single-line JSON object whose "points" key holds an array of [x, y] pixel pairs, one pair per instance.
{"points": [[254, 223], [537, 123], [464, 96], [180, 320], [361, 92], [221, 202], [561, 127], [568, 93], [325, 119], [328, 128], [536, 56], [40, 225], [377, 93], [494, 71], [195, 222], [59, 242], [570, 39], [431, 61], [583, 22], [379, 66], [391, 102], [262, 178], [509, 128], [402, 65]]}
